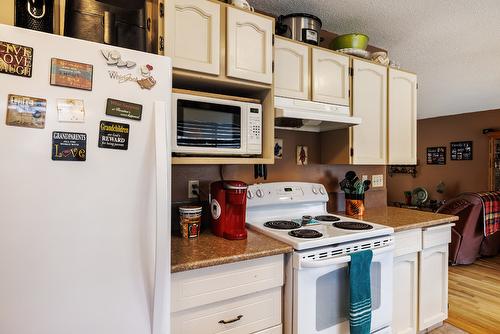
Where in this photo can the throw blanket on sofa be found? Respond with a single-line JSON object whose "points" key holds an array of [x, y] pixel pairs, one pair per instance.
{"points": [[491, 211]]}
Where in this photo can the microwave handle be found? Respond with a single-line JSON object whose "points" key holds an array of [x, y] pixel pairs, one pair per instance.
{"points": [[341, 260]]}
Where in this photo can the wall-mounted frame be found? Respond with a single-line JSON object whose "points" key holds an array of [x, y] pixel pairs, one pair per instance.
{"points": [[436, 155], [461, 150]]}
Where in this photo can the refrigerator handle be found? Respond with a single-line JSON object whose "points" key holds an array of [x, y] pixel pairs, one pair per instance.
{"points": [[161, 299]]}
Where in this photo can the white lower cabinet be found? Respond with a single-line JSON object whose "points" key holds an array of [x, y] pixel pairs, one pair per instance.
{"points": [[420, 279], [237, 298]]}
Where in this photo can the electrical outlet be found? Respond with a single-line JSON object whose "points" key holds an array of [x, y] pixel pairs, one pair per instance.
{"points": [[364, 178], [193, 188], [377, 181]]}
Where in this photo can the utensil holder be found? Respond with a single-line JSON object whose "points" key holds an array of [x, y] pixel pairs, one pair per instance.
{"points": [[354, 204]]}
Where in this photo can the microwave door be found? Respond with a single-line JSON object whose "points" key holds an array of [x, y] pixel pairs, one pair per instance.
{"points": [[208, 128]]}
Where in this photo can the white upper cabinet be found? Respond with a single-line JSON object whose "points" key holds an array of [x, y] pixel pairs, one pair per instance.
{"points": [[330, 77], [402, 115], [249, 46], [369, 139], [193, 35], [291, 69]]}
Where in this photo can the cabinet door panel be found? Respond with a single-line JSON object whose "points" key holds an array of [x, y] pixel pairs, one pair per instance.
{"points": [[249, 46], [405, 296], [369, 139], [433, 286], [193, 35], [330, 77], [402, 114], [291, 69]]}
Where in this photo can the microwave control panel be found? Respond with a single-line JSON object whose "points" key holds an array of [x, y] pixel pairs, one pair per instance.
{"points": [[254, 136]]}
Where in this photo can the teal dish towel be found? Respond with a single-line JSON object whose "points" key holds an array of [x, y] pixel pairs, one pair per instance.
{"points": [[360, 309]]}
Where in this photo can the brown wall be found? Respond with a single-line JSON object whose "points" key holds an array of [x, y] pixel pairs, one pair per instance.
{"points": [[458, 176], [285, 169]]}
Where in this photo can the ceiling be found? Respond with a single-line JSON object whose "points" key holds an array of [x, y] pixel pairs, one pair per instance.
{"points": [[453, 45]]}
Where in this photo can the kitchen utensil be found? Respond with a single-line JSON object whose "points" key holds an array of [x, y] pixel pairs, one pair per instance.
{"points": [[366, 185], [350, 175], [419, 196], [300, 27], [356, 52], [355, 41]]}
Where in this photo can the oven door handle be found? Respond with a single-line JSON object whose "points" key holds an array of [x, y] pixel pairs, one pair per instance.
{"points": [[341, 259]]}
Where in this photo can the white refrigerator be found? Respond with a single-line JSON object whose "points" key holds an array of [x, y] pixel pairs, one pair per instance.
{"points": [[84, 211]]}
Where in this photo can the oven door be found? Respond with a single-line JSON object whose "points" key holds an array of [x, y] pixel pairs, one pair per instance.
{"points": [[208, 126], [321, 294]]}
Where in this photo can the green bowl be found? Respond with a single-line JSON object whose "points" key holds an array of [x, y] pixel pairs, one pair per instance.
{"points": [[350, 41]]}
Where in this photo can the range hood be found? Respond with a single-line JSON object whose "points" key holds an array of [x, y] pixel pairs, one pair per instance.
{"points": [[311, 116]]}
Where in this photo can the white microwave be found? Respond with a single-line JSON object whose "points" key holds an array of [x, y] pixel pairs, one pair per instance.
{"points": [[213, 126]]}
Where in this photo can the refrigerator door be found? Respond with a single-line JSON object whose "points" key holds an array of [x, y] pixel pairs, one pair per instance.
{"points": [[84, 245]]}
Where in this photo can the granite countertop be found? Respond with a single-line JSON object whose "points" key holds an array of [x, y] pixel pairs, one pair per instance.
{"points": [[208, 250], [405, 219]]}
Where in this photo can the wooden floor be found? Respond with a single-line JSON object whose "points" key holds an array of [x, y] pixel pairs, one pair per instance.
{"points": [[474, 296]]}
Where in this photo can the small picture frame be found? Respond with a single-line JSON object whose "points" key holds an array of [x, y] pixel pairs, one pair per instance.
{"points": [[302, 155], [436, 155], [278, 148], [461, 150]]}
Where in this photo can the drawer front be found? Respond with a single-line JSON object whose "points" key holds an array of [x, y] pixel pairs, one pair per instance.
{"points": [[209, 285], [408, 242], [437, 235], [249, 314], [274, 330]]}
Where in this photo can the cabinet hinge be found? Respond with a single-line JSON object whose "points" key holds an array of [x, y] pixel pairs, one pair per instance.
{"points": [[417, 85], [272, 65], [349, 93], [351, 71], [162, 43], [273, 39], [162, 9], [352, 152]]}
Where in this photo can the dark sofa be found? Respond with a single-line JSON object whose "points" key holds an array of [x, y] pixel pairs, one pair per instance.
{"points": [[467, 237]]}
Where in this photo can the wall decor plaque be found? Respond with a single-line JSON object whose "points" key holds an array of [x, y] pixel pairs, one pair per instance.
{"points": [[26, 111], [461, 150], [113, 135], [436, 155], [16, 59], [70, 110], [124, 109], [69, 146], [66, 73]]}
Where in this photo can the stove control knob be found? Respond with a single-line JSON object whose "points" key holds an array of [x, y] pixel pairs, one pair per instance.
{"points": [[322, 190], [249, 194], [259, 193], [314, 190]]}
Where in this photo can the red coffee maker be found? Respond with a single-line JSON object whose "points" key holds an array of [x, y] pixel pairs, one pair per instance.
{"points": [[228, 203]]}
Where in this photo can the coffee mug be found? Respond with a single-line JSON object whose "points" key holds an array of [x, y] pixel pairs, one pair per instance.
{"points": [[242, 4]]}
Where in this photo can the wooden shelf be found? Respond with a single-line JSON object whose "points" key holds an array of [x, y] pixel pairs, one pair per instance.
{"points": [[221, 161]]}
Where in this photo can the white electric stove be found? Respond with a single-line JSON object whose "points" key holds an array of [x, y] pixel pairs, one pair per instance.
{"points": [[317, 281]]}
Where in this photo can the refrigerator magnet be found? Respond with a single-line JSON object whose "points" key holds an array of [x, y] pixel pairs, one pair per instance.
{"points": [[70, 110], [113, 135], [26, 111], [69, 146], [66, 73], [124, 109], [16, 59]]}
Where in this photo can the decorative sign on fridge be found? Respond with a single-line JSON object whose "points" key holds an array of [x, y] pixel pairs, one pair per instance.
{"points": [[26, 111], [16, 59], [71, 74], [124, 109], [69, 146], [113, 135], [70, 110], [461, 150]]}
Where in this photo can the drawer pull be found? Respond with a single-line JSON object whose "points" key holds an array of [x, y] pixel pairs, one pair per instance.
{"points": [[231, 321]]}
